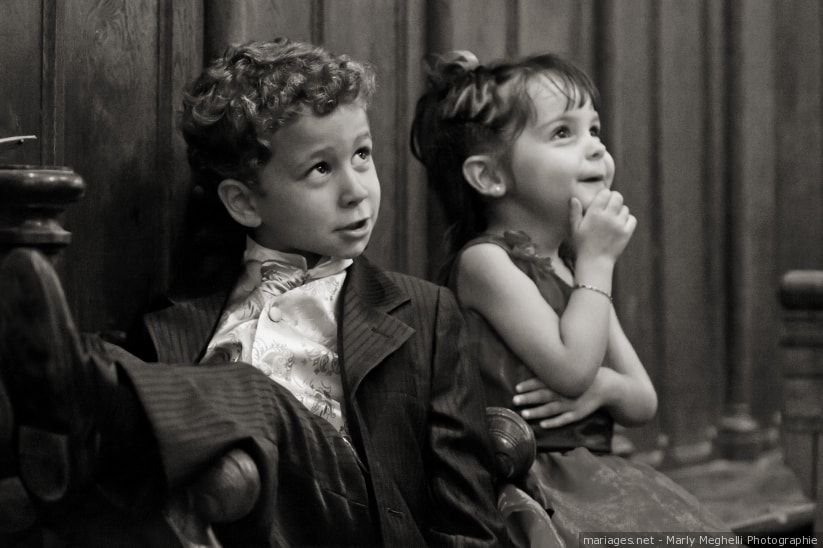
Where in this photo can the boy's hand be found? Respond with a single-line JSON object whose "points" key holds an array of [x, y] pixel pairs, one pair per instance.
{"points": [[554, 410], [604, 229]]}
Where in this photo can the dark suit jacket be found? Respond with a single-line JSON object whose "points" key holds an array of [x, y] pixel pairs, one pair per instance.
{"points": [[414, 405]]}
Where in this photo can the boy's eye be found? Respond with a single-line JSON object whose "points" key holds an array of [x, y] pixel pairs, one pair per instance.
{"points": [[362, 155]]}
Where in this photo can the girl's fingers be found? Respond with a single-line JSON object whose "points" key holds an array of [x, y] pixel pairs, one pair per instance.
{"points": [[544, 411], [615, 201], [530, 384], [575, 213], [559, 420], [631, 224], [601, 199], [535, 397]]}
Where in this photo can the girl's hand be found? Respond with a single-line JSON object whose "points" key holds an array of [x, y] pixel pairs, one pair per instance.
{"points": [[555, 410], [604, 229]]}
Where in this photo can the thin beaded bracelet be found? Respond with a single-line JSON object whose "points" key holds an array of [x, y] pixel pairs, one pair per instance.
{"points": [[593, 288]]}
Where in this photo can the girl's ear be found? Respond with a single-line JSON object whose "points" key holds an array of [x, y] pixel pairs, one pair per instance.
{"points": [[239, 201], [482, 172]]}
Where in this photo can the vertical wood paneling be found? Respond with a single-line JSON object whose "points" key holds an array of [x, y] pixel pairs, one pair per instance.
{"points": [[715, 203], [476, 25], [627, 89], [20, 86], [799, 139], [682, 137], [563, 27], [339, 19], [413, 216], [180, 57], [752, 116], [235, 22], [108, 59]]}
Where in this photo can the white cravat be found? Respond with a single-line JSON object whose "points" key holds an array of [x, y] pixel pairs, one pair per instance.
{"points": [[280, 319]]}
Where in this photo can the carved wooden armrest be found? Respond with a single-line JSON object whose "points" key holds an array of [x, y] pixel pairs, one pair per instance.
{"points": [[512, 441], [226, 492]]}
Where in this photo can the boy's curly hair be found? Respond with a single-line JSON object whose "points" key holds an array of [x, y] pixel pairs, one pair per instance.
{"points": [[232, 110]]}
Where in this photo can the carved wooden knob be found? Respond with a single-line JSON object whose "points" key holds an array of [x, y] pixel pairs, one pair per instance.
{"points": [[228, 490], [31, 201], [512, 440]]}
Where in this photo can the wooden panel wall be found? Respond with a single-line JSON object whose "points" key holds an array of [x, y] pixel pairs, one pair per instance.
{"points": [[712, 111]]}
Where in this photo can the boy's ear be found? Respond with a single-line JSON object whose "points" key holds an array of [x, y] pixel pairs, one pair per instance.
{"points": [[239, 201], [483, 173]]}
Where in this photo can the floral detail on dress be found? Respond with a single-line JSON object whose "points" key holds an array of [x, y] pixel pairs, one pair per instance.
{"points": [[522, 248]]}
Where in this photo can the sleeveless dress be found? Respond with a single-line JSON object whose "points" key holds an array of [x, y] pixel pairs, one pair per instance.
{"points": [[582, 486]]}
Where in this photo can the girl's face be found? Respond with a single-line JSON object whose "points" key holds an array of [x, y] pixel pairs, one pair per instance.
{"points": [[558, 155]]}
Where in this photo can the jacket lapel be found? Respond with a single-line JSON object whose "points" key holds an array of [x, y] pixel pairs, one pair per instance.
{"points": [[181, 331], [368, 333]]}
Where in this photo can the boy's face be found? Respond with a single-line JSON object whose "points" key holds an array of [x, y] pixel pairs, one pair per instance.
{"points": [[319, 194]]}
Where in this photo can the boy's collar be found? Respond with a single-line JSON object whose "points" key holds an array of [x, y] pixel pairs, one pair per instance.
{"points": [[258, 253]]}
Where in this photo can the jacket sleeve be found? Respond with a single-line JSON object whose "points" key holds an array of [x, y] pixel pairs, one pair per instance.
{"points": [[461, 458]]}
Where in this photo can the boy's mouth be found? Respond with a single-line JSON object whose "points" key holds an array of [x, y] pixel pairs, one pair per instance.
{"points": [[356, 226]]}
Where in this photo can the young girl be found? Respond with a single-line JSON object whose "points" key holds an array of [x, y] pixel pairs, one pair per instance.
{"points": [[513, 151]]}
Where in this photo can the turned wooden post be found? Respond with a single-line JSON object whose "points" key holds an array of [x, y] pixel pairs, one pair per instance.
{"points": [[801, 340], [32, 200]]}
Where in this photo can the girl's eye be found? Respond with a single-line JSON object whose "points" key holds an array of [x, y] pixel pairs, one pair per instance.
{"points": [[595, 131], [322, 168], [561, 133]]}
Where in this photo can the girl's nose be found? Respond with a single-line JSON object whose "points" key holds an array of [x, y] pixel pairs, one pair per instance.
{"points": [[596, 147]]}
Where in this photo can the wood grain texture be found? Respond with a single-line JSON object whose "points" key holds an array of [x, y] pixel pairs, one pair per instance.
{"points": [[108, 61], [21, 63], [752, 208], [236, 22], [799, 134]]}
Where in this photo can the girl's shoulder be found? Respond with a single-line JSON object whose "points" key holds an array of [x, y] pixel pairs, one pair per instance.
{"points": [[483, 253], [492, 259], [520, 250]]}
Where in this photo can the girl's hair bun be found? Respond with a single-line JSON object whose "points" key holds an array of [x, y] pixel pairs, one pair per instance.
{"points": [[446, 68]]}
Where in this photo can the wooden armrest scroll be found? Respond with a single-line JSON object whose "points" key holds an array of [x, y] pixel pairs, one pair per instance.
{"points": [[512, 441], [226, 492]]}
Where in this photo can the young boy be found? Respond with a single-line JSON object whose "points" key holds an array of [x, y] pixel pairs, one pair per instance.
{"points": [[345, 383]]}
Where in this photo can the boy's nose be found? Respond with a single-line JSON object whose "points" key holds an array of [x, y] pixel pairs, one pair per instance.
{"points": [[353, 189]]}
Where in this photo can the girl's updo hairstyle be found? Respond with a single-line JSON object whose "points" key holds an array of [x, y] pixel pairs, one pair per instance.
{"points": [[470, 109]]}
